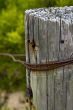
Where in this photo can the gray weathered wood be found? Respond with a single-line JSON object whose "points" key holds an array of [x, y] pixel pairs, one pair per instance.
{"points": [[52, 90]]}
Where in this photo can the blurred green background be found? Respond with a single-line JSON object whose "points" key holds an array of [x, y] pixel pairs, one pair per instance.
{"points": [[12, 38]]}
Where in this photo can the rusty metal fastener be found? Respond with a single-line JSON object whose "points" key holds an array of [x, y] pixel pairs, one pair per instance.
{"points": [[48, 66]]}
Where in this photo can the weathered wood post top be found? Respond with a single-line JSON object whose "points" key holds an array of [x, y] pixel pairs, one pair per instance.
{"points": [[49, 39]]}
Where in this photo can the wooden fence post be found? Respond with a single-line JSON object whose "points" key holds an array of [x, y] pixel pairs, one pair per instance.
{"points": [[52, 32]]}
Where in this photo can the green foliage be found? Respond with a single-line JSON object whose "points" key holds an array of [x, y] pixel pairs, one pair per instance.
{"points": [[64, 2], [12, 75], [2, 4]]}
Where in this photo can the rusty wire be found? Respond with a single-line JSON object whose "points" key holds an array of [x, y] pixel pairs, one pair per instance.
{"points": [[43, 66], [48, 66]]}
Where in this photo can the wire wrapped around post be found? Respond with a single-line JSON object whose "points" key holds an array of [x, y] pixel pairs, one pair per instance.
{"points": [[48, 66]]}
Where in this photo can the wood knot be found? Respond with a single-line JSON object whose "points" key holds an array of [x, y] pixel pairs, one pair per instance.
{"points": [[32, 44], [62, 41]]}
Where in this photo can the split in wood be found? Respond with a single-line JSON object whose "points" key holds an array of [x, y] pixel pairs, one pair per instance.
{"points": [[29, 105], [29, 93], [28, 100]]}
